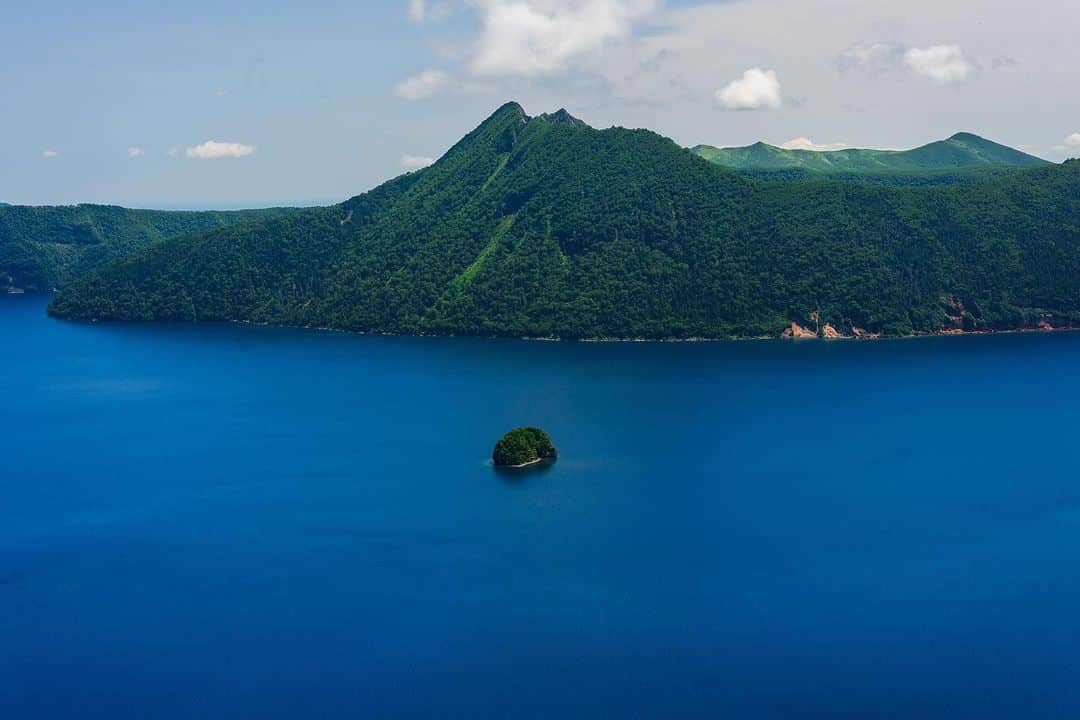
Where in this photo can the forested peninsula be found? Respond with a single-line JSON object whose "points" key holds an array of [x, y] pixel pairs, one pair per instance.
{"points": [[545, 227]]}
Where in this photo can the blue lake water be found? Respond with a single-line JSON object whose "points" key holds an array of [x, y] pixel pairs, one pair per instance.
{"points": [[231, 521]]}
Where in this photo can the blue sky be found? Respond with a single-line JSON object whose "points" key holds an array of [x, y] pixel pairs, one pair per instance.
{"points": [[318, 101]]}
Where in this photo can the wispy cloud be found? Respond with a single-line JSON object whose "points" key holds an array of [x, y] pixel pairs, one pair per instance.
{"points": [[427, 10], [50, 153], [872, 58], [416, 162], [757, 89], [135, 152], [943, 64], [423, 85], [214, 150], [1073, 141]]}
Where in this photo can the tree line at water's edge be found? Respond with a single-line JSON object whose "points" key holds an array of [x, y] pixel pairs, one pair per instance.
{"points": [[530, 227]]}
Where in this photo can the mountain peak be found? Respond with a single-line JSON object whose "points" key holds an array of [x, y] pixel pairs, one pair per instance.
{"points": [[562, 117], [988, 152], [499, 131], [967, 137], [511, 110]]}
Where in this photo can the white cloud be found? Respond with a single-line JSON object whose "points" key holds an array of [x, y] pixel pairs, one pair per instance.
{"points": [[423, 85], [135, 152], [529, 38], [804, 143], [416, 162], [943, 64], [1073, 141], [173, 151], [213, 150], [417, 9], [50, 153], [757, 89]]}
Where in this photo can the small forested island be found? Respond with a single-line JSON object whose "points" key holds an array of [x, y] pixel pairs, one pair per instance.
{"points": [[523, 446]]}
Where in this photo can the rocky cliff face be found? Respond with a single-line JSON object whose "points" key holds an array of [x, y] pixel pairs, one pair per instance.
{"points": [[561, 117]]}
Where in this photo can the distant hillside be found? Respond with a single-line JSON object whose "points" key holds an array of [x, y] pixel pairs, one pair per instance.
{"points": [[892, 178], [962, 150], [49, 246], [541, 227]]}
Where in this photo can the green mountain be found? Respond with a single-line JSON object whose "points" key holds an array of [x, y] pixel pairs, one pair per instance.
{"points": [[962, 150], [530, 227], [46, 247]]}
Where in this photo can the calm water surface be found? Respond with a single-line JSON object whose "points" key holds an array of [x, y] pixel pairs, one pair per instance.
{"points": [[233, 521]]}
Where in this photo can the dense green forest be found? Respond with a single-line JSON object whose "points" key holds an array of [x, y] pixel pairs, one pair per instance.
{"points": [[537, 227], [888, 178], [522, 446], [46, 247], [961, 151]]}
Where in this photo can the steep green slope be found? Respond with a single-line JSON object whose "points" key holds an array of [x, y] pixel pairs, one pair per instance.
{"points": [[962, 150], [529, 227], [44, 247]]}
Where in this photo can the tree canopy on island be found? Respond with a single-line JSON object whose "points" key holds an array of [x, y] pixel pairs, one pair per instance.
{"points": [[522, 446], [544, 228]]}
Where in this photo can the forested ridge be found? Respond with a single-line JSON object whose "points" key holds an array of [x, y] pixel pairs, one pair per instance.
{"points": [[544, 227], [43, 247], [962, 151]]}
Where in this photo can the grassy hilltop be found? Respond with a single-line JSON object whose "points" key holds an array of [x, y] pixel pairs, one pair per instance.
{"points": [[963, 150]]}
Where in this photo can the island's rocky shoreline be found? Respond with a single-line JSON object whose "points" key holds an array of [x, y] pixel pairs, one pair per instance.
{"points": [[537, 461]]}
